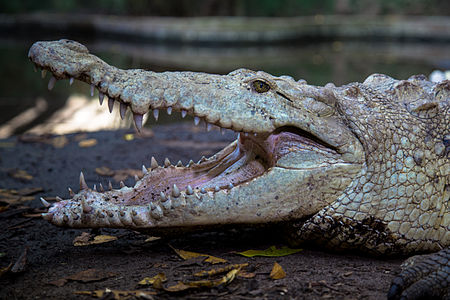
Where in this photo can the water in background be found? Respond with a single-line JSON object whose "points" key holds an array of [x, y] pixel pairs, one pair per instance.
{"points": [[337, 62]]}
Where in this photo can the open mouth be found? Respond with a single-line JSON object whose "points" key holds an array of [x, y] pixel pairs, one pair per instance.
{"points": [[245, 159]]}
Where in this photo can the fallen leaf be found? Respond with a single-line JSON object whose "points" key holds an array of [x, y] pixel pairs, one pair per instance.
{"points": [[59, 141], [86, 239], [12, 197], [213, 272], [161, 277], [245, 274], [88, 275], [87, 143], [128, 137], [117, 295], [277, 272], [188, 255], [21, 262], [20, 174], [270, 252], [181, 286], [104, 171], [151, 239]]}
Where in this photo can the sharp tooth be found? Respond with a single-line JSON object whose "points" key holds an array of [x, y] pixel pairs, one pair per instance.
{"points": [[95, 187], [203, 191], [43, 73], [152, 205], [83, 185], [189, 190], [92, 90], [175, 191], [183, 113], [179, 163], [51, 83], [230, 186], [169, 110], [122, 184], [85, 206], [58, 198], [216, 188], [71, 193], [167, 162], [202, 159], [136, 178], [101, 188], [167, 204], [47, 216], [196, 121], [208, 126], [190, 163], [157, 212], [162, 197], [153, 163], [45, 203], [123, 110], [156, 114], [101, 96], [71, 81], [110, 104], [138, 121], [144, 170], [110, 185]]}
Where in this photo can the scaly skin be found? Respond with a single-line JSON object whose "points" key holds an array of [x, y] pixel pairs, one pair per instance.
{"points": [[362, 166]]}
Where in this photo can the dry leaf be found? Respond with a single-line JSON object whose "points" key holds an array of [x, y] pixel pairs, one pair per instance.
{"points": [[87, 143], [88, 275], [212, 272], [86, 239], [20, 174], [104, 171], [59, 141], [117, 295], [270, 252], [277, 272], [128, 137], [151, 239], [245, 274], [188, 254], [158, 279]]}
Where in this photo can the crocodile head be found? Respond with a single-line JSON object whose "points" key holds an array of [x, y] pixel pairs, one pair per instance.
{"points": [[295, 152]]}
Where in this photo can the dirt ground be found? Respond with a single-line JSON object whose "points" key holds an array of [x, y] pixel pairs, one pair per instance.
{"points": [[54, 164]]}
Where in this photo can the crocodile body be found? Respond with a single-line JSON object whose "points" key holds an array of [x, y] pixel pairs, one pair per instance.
{"points": [[363, 166]]}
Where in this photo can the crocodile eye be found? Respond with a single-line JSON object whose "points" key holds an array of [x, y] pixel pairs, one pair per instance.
{"points": [[260, 86]]}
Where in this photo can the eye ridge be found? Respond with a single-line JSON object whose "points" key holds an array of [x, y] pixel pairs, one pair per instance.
{"points": [[260, 86]]}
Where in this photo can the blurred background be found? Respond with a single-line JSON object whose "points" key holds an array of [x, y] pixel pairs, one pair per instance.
{"points": [[321, 41]]}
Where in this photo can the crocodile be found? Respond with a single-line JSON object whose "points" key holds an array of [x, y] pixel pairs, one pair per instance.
{"points": [[364, 166]]}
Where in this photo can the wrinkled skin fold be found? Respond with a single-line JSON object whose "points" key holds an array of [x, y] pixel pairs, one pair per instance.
{"points": [[363, 166]]}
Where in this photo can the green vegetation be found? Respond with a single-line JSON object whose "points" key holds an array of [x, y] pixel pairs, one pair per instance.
{"points": [[276, 8]]}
